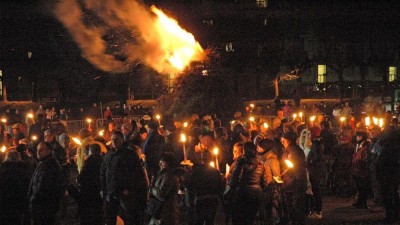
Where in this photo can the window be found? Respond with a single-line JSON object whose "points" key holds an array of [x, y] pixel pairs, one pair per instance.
{"points": [[208, 23], [321, 74], [392, 73], [229, 47], [261, 3]]}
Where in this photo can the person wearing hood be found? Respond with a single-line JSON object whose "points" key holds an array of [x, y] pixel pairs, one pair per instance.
{"points": [[249, 179], [266, 153]]}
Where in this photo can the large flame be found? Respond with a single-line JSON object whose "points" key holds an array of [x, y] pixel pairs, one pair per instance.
{"points": [[134, 33], [180, 47]]}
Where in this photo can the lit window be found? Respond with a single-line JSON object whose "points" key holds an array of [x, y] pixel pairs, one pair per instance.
{"points": [[208, 23], [392, 73], [229, 47], [321, 74], [261, 3], [265, 22]]}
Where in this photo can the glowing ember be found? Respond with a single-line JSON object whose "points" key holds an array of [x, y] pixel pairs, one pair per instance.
{"points": [[180, 48]]}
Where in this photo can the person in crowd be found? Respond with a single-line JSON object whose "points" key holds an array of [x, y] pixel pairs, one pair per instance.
{"points": [[276, 122], [45, 189], [222, 142], [266, 153], [205, 186], [41, 112], [314, 164], [16, 134], [108, 114], [249, 180], [153, 148], [126, 130], [126, 184], [388, 173], [90, 203], [294, 180], [81, 153], [164, 188], [372, 161], [5, 137], [346, 110], [111, 128], [359, 169], [14, 181]]}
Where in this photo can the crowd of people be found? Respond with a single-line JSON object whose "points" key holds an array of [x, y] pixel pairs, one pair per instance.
{"points": [[262, 169]]}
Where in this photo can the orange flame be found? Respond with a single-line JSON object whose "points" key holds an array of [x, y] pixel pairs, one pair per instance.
{"points": [[179, 46]]}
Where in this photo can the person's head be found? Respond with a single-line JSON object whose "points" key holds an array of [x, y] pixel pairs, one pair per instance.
{"points": [[279, 113], [49, 136], [153, 126], [12, 156], [43, 149], [206, 157], [64, 140], [221, 133], [126, 129], [375, 132], [325, 125], [287, 139], [84, 133], [94, 149], [143, 133], [111, 126], [15, 129], [117, 140], [238, 150], [361, 136], [249, 149], [264, 146], [167, 160]]}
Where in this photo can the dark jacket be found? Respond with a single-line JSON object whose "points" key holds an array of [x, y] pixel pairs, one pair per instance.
{"points": [[314, 160], [125, 172], [205, 182], [14, 183], [295, 179], [248, 173], [45, 189], [89, 179], [165, 189], [153, 148]]}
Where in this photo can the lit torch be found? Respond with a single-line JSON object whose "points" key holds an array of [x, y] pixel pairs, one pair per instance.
{"points": [[312, 118], [265, 125], [183, 140], [34, 138], [29, 115], [367, 121], [89, 121], [375, 120], [158, 118], [294, 116], [3, 148], [77, 141], [215, 151], [381, 122], [185, 125], [251, 119], [3, 120], [289, 165], [101, 133], [301, 116]]}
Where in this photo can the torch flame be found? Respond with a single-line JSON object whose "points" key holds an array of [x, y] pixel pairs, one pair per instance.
{"points": [[180, 48], [3, 149]]}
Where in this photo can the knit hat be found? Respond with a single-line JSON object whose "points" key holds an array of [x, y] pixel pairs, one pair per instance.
{"points": [[289, 136], [63, 137]]}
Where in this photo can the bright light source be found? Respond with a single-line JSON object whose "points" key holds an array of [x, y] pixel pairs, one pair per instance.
{"points": [[29, 115], [101, 133], [185, 124], [3, 149], [183, 138], [265, 125], [215, 151], [34, 138], [251, 119], [289, 163], [312, 118], [77, 141], [88, 120]]}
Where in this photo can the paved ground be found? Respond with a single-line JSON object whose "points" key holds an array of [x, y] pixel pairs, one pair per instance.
{"points": [[336, 211]]}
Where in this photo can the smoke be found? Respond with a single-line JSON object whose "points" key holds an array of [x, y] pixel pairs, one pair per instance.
{"points": [[114, 34]]}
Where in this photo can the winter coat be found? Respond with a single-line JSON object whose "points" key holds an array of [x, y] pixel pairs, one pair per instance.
{"points": [[205, 182], [314, 160], [125, 172], [295, 179], [89, 180], [248, 174], [359, 165], [165, 190], [14, 183], [271, 165], [45, 189]]}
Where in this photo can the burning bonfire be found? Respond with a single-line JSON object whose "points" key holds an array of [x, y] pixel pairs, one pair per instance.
{"points": [[134, 33]]}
